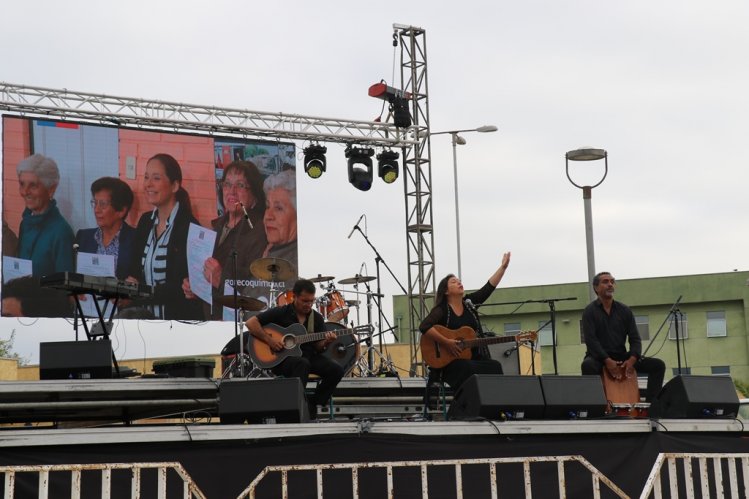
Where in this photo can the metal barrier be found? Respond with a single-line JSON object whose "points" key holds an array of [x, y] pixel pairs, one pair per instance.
{"points": [[708, 481], [492, 463], [190, 489]]}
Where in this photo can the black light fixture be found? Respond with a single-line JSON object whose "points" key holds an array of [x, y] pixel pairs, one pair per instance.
{"points": [[387, 166], [360, 167], [314, 160]]}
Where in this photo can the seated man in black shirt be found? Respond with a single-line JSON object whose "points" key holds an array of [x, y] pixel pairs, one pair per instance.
{"points": [[300, 311], [607, 325]]}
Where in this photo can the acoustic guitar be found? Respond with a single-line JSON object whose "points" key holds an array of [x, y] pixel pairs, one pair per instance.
{"points": [[292, 337], [437, 357]]}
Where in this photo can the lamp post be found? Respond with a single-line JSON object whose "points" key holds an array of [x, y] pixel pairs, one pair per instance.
{"points": [[588, 154], [456, 141]]}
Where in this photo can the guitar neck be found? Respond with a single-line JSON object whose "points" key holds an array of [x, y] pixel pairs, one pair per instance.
{"points": [[310, 337], [489, 341]]}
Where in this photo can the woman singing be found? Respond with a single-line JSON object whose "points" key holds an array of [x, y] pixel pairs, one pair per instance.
{"points": [[451, 311]]}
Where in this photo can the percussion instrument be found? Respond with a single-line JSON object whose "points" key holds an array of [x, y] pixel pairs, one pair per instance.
{"points": [[243, 302], [356, 279], [622, 392], [272, 269], [333, 307], [284, 298], [321, 278]]}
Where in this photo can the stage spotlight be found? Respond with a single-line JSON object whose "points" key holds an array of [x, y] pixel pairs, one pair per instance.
{"points": [[387, 166], [360, 167], [314, 160]]}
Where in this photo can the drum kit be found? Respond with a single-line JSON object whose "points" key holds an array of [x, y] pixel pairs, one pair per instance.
{"points": [[331, 304]]}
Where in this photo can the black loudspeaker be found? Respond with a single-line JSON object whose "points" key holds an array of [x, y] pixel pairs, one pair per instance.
{"points": [[507, 355], [262, 400], [75, 359], [573, 397], [497, 397], [696, 397]]}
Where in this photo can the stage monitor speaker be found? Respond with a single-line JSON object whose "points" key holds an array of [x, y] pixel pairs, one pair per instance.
{"points": [[573, 397], [75, 359], [262, 400], [686, 396], [497, 397]]}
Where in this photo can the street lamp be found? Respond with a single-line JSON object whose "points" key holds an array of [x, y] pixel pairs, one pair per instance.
{"points": [[456, 141], [588, 154]]}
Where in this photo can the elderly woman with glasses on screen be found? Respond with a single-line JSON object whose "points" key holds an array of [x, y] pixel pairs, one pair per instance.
{"points": [[111, 200], [241, 191], [45, 237]]}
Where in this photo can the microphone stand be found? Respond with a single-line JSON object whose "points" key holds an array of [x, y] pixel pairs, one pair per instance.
{"points": [[235, 276], [553, 319], [378, 260], [673, 311]]}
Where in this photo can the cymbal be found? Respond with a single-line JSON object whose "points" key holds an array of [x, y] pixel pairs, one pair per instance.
{"points": [[244, 302], [356, 279], [272, 269], [321, 278]]}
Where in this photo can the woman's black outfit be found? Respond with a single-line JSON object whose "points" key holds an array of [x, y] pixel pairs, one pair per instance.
{"points": [[459, 370]]}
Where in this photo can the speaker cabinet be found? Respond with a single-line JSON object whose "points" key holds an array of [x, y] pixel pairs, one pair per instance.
{"points": [[262, 400], [696, 397], [497, 397], [75, 359], [573, 397]]}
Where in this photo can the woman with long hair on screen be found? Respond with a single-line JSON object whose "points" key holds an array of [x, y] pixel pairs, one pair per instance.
{"points": [[160, 249]]}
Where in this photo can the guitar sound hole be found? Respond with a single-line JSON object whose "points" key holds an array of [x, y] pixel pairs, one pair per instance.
{"points": [[288, 342]]}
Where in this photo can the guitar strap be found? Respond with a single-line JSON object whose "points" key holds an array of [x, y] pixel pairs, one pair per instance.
{"points": [[311, 322]]}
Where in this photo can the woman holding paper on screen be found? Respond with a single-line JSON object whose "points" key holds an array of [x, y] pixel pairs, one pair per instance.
{"points": [[160, 250], [111, 200], [240, 228]]}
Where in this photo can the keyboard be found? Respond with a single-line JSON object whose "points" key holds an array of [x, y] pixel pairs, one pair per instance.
{"points": [[105, 287]]}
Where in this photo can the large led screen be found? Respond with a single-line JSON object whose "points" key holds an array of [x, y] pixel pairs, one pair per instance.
{"points": [[176, 220]]}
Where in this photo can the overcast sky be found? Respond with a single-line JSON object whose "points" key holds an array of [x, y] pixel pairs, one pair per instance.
{"points": [[662, 86]]}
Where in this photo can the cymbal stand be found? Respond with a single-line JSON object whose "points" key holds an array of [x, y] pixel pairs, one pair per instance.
{"points": [[237, 313]]}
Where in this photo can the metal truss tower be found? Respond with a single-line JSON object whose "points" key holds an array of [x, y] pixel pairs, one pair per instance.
{"points": [[417, 182]]}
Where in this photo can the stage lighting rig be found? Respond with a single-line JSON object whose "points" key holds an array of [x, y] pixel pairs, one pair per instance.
{"points": [[360, 167], [398, 100], [314, 160], [387, 166]]}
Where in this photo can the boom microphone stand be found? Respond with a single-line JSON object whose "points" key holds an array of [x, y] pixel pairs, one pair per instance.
{"points": [[235, 276], [674, 313], [551, 302]]}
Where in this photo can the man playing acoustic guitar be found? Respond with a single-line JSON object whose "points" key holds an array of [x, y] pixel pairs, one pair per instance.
{"points": [[607, 325], [299, 311], [452, 310]]}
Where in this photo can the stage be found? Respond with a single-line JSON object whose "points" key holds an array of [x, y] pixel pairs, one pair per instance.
{"points": [[374, 420]]}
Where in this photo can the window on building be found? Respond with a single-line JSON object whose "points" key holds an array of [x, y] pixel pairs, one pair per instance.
{"points": [[643, 326], [544, 334], [683, 329], [684, 370], [716, 324], [512, 328], [720, 370], [582, 335]]}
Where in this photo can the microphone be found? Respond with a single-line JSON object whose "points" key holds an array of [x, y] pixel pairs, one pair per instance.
{"points": [[246, 216], [509, 351], [470, 304], [355, 226], [75, 257]]}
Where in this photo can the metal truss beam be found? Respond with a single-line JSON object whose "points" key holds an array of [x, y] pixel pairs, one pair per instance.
{"points": [[173, 116]]}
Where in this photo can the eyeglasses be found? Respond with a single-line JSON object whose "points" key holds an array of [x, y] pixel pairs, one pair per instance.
{"points": [[227, 186], [100, 203]]}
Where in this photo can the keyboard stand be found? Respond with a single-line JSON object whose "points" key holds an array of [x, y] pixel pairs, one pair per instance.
{"points": [[90, 333]]}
